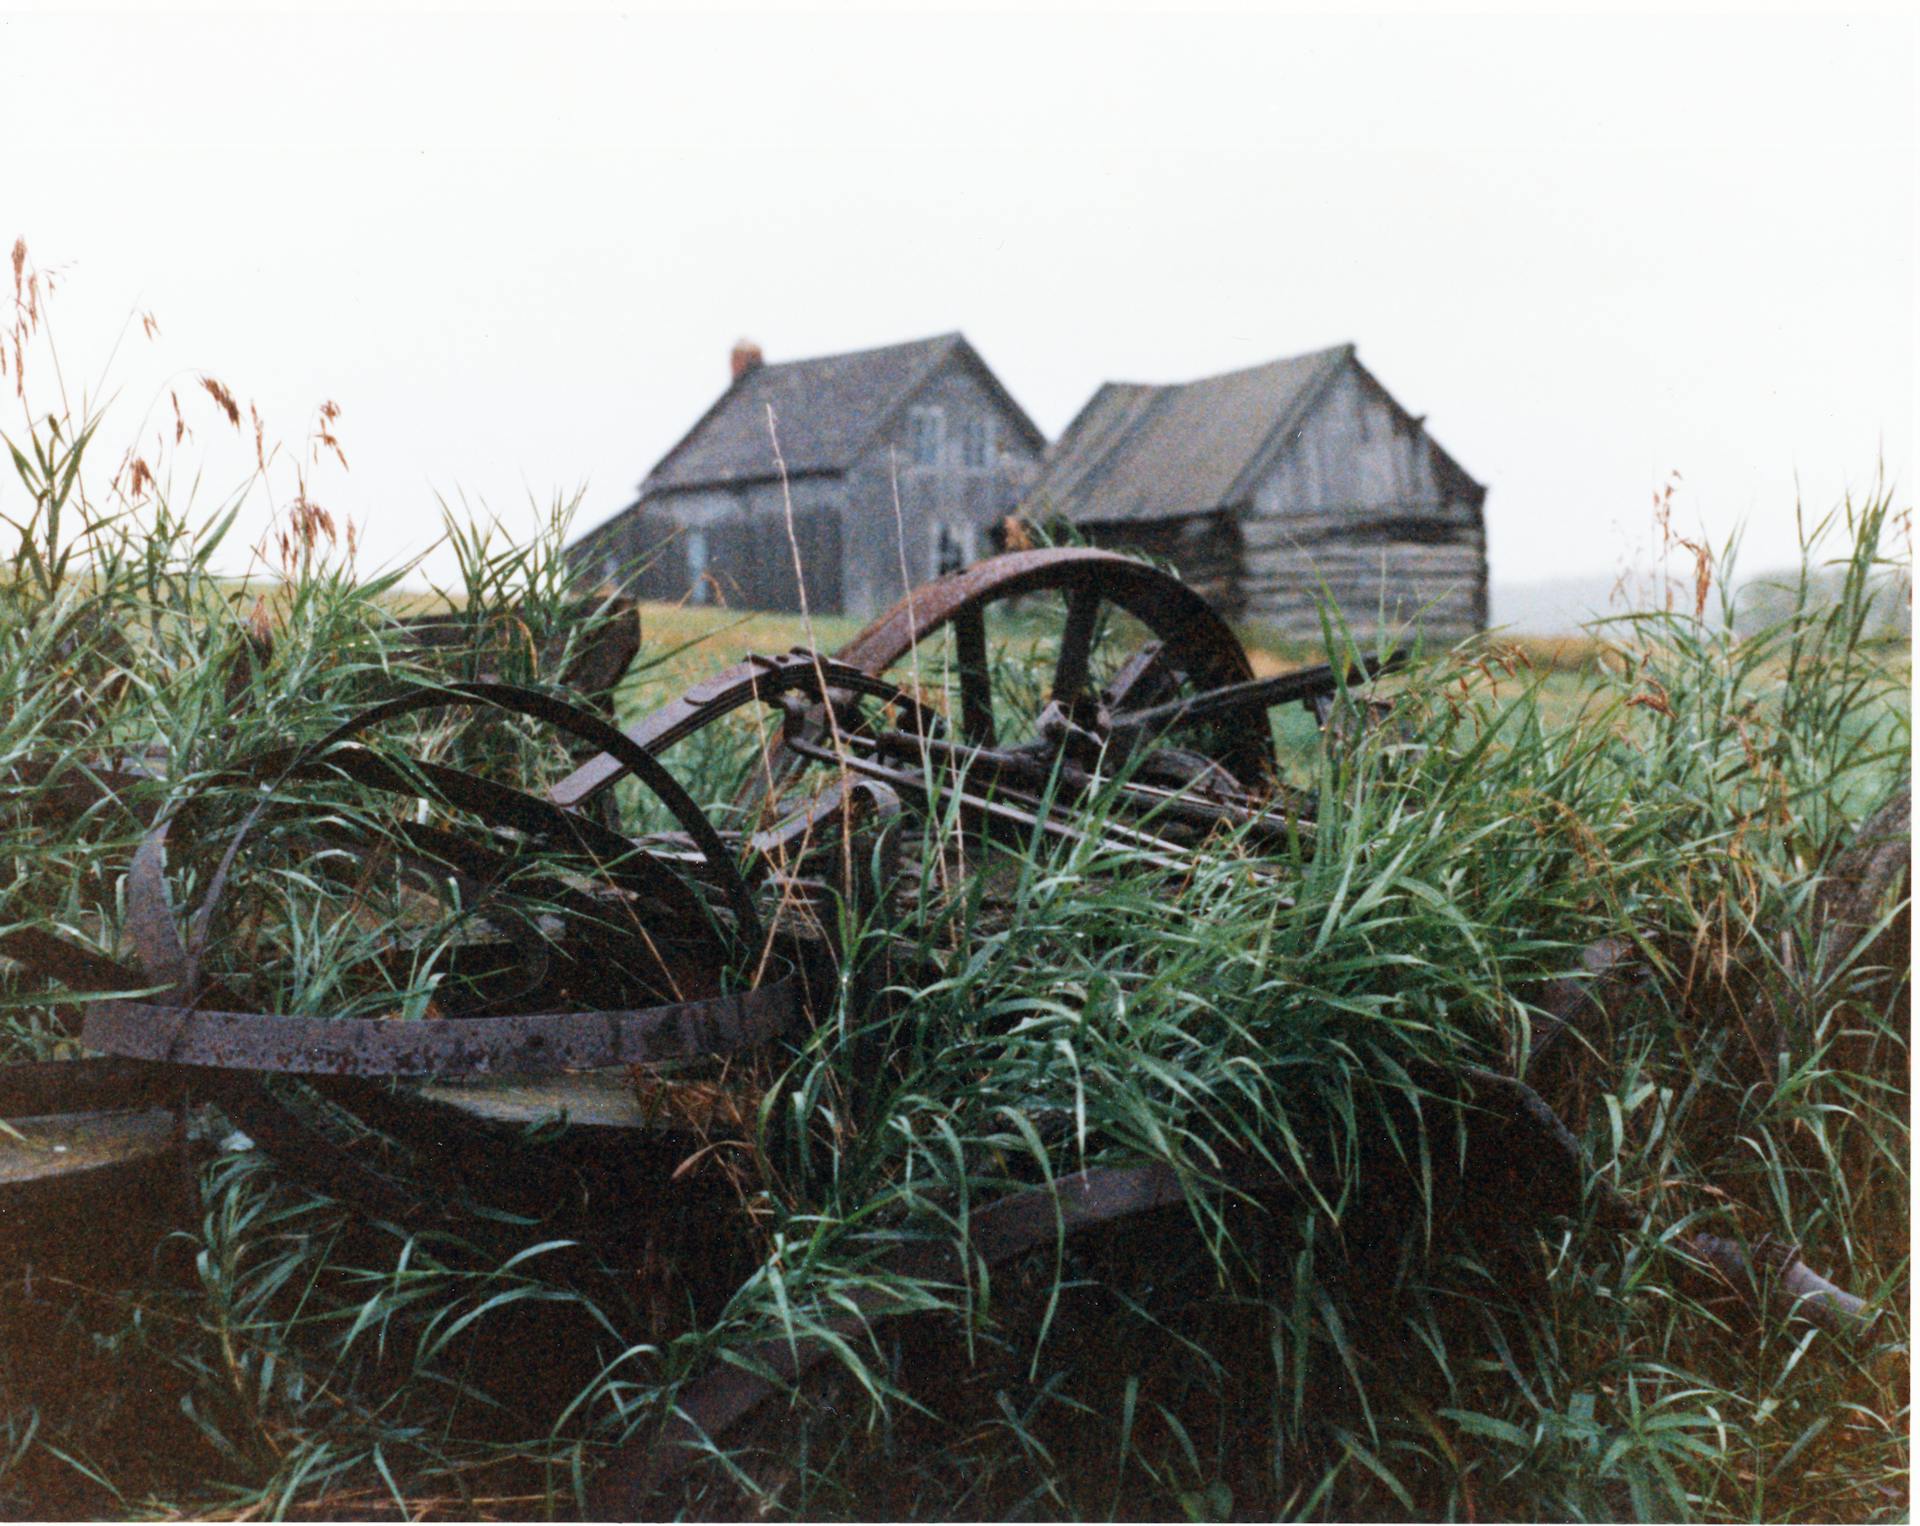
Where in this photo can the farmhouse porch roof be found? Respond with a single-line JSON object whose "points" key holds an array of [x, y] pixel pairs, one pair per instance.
{"points": [[828, 411]]}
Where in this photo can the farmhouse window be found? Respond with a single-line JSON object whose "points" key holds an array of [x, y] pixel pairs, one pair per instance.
{"points": [[928, 429], [977, 451]]}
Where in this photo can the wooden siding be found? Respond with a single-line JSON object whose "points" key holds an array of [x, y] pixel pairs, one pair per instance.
{"points": [[1205, 549], [970, 500], [1342, 497], [1362, 507], [739, 534], [851, 536]]}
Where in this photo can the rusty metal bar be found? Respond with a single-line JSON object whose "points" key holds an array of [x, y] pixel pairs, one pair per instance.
{"points": [[976, 678], [755, 677], [1076, 643], [1262, 693], [524, 1044]]}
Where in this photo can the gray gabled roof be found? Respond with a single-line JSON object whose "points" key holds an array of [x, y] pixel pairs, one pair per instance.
{"points": [[828, 409], [1142, 452]]}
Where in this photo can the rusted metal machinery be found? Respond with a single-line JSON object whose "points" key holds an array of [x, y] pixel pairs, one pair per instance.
{"points": [[669, 956], [581, 952]]}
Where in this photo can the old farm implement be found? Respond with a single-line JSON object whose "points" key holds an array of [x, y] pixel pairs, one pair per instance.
{"points": [[686, 943], [526, 965]]}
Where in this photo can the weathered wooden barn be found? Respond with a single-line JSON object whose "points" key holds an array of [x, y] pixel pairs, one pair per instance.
{"points": [[911, 454], [1272, 487]]}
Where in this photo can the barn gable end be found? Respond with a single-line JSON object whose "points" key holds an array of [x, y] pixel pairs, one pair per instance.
{"points": [[1273, 487], [1362, 504]]}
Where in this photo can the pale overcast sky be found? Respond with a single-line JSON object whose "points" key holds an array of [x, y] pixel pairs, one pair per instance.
{"points": [[516, 250]]}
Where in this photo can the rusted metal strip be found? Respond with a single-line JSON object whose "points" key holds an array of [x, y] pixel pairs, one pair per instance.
{"points": [[753, 678], [83, 1086], [587, 727], [92, 1085], [82, 970], [1262, 693], [525, 1044]]}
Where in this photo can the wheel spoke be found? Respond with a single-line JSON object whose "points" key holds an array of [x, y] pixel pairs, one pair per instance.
{"points": [[976, 679], [1076, 644], [1143, 679], [1200, 650]]}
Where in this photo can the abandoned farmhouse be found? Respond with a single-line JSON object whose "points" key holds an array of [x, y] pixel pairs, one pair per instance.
{"points": [[1268, 488], [907, 454]]}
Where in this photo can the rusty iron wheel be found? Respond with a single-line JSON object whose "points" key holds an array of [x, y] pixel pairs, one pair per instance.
{"points": [[1190, 650], [705, 1012]]}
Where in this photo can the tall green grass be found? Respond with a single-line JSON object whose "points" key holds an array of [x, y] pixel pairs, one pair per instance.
{"points": [[1340, 1344], [1290, 1355]]}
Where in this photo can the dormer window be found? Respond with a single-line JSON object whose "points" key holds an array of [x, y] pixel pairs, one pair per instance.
{"points": [[926, 435]]}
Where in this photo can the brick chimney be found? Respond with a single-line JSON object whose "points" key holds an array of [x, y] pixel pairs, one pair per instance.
{"points": [[746, 355]]}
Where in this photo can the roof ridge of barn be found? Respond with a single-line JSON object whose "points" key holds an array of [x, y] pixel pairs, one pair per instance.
{"points": [[1143, 450]]}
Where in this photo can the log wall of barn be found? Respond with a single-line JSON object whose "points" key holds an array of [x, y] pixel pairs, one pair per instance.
{"points": [[1364, 507]]}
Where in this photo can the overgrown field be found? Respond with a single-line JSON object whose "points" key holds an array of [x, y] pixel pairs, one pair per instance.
{"points": [[1338, 1342]]}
